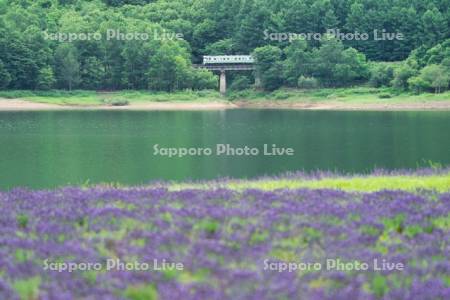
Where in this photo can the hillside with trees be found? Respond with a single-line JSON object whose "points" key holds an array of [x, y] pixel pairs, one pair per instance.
{"points": [[34, 55]]}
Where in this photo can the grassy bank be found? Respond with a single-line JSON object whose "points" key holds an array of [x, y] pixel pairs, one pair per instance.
{"points": [[80, 97], [404, 182], [345, 95], [338, 96]]}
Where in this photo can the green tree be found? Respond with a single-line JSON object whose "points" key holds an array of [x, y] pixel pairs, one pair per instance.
{"points": [[170, 69], [67, 66], [434, 26], [18, 59], [240, 83], [352, 69], [204, 33], [401, 76], [418, 84], [222, 47], [45, 79], [333, 65], [423, 56], [329, 20], [298, 62], [269, 66], [437, 75], [255, 16], [431, 77], [5, 78], [204, 79], [381, 75], [92, 73]]}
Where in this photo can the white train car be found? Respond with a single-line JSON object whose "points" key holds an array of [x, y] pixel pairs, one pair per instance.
{"points": [[228, 59]]}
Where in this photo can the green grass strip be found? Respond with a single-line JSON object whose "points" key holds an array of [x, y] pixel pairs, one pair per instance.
{"points": [[440, 183]]}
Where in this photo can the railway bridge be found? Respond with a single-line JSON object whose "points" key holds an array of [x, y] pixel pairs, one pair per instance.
{"points": [[223, 63]]}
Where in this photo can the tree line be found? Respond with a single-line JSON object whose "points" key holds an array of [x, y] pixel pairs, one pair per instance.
{"points": [[29, 60], [333, 65]]}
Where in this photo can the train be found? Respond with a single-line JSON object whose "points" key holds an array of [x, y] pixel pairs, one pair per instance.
{"points": [[228, 59]]}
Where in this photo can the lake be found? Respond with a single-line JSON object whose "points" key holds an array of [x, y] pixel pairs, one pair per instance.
{"points": [[46, 149]]}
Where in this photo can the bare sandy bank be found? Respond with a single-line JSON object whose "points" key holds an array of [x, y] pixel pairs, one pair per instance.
{"points": [[24, 105], [331, 105]]}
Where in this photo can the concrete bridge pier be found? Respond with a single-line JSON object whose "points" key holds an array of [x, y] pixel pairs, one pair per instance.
{"points": [[222, 82]]}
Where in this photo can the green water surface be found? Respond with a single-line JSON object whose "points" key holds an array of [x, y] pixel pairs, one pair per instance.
{"points": [[52, 148]]}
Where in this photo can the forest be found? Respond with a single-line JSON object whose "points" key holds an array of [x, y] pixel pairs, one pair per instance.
{"points": [[33, 56]]}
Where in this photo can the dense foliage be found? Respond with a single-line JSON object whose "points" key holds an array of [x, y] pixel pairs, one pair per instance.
{"points": [[225, 240], [29, 59], [424, 70]]}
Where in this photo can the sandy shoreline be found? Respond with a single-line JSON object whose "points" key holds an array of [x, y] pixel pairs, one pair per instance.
{"points": [[333, 105], [23, 105]]}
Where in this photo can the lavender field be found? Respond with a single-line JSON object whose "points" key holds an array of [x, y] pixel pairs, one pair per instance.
{"points": [[222, 243]]}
